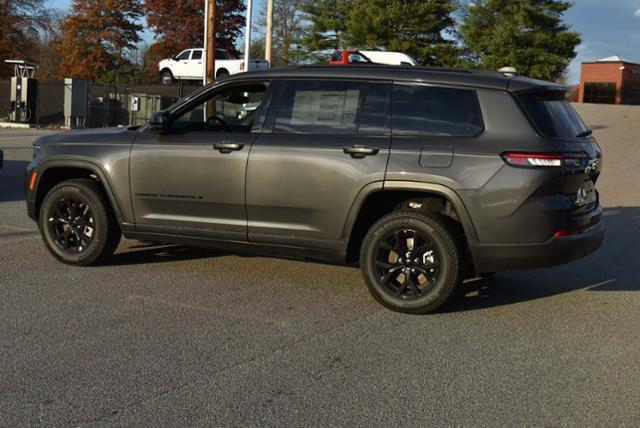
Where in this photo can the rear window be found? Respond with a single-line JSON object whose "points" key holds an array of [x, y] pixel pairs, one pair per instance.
{"points": [[553, 115], [430, 110]]}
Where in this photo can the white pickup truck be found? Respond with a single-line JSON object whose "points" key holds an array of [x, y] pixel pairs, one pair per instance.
{"points": [[188, 65]]}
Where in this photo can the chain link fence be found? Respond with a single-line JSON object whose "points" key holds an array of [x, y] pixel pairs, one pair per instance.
{"points": [[108, 104]]}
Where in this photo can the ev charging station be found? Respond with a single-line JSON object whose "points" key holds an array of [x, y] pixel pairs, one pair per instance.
{"points": [[23, 101]]}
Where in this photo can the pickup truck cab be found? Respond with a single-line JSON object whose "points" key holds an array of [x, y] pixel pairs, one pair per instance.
{"points": [[349, 56], [189, 65]]}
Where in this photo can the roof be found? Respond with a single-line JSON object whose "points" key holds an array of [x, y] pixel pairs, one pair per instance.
{"points": [[613, 59], [445, 76]]}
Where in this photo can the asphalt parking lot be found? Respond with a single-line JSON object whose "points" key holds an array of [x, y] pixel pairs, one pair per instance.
{"points": [[168, 335]]}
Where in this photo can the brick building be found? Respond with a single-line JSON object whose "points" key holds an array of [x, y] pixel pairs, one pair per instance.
{"points": [[611, 80]]}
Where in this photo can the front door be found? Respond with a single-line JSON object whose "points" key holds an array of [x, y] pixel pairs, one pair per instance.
{"points": [[191, 179]]}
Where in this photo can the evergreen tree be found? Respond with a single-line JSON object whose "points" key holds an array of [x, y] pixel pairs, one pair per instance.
{"points": [[529, 35], [327, 23], [97, 35], [415, 27]]}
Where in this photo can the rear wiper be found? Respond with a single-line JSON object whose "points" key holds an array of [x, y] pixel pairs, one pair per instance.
{"points": [[585, 133]]}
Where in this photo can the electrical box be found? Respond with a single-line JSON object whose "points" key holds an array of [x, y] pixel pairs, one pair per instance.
{"points": [[142, 106], [76, 102], [23, 102], [135, 103]]}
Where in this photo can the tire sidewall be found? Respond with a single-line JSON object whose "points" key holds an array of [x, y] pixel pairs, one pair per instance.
{"points": [[448, 259], [93, 251]]}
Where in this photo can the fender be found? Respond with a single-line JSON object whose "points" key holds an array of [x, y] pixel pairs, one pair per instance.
{"points": [[82, 164], [413, 186]]}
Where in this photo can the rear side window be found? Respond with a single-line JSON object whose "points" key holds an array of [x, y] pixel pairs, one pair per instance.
{"points": [[196, 55], [553, 115], [429, 110], [332, 107]]}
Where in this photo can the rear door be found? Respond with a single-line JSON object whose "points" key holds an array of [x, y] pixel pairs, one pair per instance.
{"points": [[325, 140]]}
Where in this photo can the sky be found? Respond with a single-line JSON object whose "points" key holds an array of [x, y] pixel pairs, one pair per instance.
{"points": [[608, 27]]}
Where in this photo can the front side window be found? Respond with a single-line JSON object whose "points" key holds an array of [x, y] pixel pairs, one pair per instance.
{"points": [[333, 107], [435, 111], [184, 56], [231, 109]]}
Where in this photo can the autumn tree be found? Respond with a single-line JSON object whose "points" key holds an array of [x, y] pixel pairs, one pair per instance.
{"points": [[20, 22], [97, 35], [415, 27], [179, 25], [529, 35], [289, 30]]}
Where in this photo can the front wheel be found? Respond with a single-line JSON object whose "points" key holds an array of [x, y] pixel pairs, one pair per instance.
{"points": [[411, 262], [77, 224], [166, 77]]}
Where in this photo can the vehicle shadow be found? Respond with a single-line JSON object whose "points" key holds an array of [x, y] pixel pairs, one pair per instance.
{"points": [[160, 253], [12, 180], [614, 267]]}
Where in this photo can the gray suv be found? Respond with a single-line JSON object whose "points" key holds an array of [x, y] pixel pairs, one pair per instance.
{"points": [[420, 176]]}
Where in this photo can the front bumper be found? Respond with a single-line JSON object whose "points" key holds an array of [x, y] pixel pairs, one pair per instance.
{"points": [[556, 251]]}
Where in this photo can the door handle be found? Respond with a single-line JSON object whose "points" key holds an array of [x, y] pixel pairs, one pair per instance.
{"points": [[359, 152], [227, 147]]}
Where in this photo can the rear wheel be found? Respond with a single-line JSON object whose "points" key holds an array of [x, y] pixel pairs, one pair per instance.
{"points": [[411, 262], [77, 224], [222, 74]]}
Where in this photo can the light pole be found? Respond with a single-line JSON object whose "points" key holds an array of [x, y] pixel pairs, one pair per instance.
{"points": [[268, 40], [247, 35]]}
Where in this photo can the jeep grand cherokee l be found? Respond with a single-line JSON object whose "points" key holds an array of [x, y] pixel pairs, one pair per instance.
{"points": [[419, 175]]}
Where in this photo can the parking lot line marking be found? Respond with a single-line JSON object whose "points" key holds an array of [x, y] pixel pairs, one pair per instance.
{"points": [[214, 311], [18, 228], [12, 241]]}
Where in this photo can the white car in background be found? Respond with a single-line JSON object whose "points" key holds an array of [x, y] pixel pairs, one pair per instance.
{"points": [[390, 58], [188, 65]]}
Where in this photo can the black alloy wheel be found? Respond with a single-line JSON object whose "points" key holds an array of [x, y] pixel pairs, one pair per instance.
{"points": [[77, 223], [411, 261]]}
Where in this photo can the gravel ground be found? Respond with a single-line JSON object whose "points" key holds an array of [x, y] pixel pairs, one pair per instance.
{"points": [[170, 335]]}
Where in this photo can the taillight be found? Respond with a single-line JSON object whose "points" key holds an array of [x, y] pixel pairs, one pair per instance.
{"points": [[544, 160], [242, 66]]}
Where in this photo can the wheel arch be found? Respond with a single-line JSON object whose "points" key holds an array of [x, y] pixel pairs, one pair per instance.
{"points": [[54, 172], [378, 199]]}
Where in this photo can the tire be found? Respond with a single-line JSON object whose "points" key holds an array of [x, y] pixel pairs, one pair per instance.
{"points": [[429, 272], [222, 74], [77, 224], [166, 77]]}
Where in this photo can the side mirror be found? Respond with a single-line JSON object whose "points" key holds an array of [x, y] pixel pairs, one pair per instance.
{"points": [[159, 122]]}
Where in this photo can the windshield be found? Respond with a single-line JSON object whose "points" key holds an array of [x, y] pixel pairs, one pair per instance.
{"points": [[554, 116]]}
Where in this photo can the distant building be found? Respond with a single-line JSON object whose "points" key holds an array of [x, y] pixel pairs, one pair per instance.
{"points": [[611, 80]]}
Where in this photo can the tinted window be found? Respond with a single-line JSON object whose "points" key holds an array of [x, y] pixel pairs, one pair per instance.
{"points": [[333, 107], [427, 110], [196, 55], [553, 115]]}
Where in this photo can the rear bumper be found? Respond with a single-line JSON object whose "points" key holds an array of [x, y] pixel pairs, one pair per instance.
{"points": [[556, 251]]}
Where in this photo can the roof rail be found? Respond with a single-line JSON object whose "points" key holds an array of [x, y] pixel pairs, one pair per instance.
{"points": [[388, 66]]}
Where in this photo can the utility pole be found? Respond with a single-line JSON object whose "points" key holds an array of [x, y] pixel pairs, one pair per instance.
{"points": [[247, 35], [268, 42], [209, 41]]}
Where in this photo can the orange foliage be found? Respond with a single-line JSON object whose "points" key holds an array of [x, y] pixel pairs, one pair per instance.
{"points": [[180, 24], [97, 35]]}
